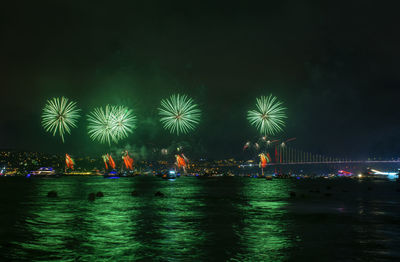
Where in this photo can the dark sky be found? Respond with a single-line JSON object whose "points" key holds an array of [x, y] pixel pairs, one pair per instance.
{"points": [[335, 66]]}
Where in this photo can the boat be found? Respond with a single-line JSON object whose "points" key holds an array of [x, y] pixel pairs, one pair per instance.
{"points": [[171, 174], [112, 174], [43, 172], [126, 173], [83, 173], [374, 174]]}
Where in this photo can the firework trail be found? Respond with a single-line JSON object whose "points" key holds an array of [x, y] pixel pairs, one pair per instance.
{"points": [[69, 162]]}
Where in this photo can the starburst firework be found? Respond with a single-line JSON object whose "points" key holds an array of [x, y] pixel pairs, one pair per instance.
{"points": [[111, 124], [60, 115], [179, 114], [269, 116]]}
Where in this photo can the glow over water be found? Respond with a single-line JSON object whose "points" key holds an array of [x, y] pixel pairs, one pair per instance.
{"points": [[210, 219]]}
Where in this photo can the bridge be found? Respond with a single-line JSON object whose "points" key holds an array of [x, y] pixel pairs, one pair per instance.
{"points": [[285, 158], [340, 162], [283, 154]]}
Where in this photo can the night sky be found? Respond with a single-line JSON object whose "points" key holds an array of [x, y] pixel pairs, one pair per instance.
{"points": [[334, 65]]}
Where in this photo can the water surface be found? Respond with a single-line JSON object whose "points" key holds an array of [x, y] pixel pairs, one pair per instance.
{"points": [[214, 219]]}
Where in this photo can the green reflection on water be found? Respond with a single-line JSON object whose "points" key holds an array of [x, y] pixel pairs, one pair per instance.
{"points": [[197, 220], [265, 235], [117, 225]]}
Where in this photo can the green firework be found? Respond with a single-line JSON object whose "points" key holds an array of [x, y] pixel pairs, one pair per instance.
{"points": [[110, 124], [60, 115], [123, 121], [179, 114], [269, 116]]}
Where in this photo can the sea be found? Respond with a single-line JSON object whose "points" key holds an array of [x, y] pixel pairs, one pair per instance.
{"points": [[199, 219]]}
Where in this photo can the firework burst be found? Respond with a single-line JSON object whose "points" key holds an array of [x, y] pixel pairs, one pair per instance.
{"points": [[60, 115], [269, 116], [123, 121], [179, 114], [110, 124]]}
